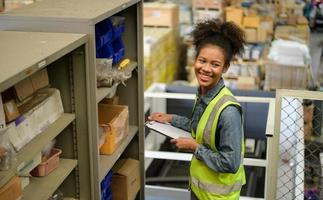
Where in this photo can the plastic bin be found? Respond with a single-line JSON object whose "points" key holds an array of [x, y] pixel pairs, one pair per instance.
{"points": [[106, 187], [118, 49], [118, 24], [49, 165], [105, 52], [103, 33]]}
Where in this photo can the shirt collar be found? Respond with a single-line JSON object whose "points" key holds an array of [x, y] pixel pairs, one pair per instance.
{"points": [[207, 98]]}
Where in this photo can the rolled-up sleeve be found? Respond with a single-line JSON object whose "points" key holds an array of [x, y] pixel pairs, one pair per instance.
{"points": [[228, 157], [181, 122]]}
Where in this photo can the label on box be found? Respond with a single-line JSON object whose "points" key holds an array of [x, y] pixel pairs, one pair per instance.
{"points": [[156, 14]]}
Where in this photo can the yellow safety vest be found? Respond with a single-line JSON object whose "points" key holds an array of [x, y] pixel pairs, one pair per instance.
{"points": [[205, 182]]}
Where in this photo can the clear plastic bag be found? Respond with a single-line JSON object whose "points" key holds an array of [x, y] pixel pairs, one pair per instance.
{"points": [[7, 152], [107, 75]]}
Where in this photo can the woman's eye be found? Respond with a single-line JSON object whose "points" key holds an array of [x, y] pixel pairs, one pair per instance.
{"points": [[215, 65], [201, 61]]}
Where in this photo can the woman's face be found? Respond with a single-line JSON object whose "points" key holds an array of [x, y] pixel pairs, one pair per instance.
{"points": [[209, 66]]}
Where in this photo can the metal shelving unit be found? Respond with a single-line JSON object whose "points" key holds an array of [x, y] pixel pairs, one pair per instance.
{"points": [[35, 146], [80, 16], [43, 187], [64, 56], [107, 161]]}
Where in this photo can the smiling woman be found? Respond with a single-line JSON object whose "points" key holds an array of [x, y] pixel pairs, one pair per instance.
{"points": [[216, 170]]}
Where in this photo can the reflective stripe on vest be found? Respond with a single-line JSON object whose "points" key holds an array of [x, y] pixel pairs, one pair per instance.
{"points": [[208, 127], [216, 188]]}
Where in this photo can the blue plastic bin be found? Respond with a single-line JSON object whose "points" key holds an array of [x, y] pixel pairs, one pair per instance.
{"points": [[118, 49], [105, 52], [103, 33], [118, 24]]}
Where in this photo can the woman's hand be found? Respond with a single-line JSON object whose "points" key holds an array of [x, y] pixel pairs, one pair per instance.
{"points": [[160, 117], [185, 143]]}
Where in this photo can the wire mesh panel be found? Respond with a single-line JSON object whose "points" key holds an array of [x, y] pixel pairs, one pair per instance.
{"points": [[299, 154]]}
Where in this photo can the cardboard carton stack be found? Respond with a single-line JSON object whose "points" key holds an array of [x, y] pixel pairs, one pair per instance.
{"points": [[160, 55], [161, 21], [257, 28], [207, 9]]}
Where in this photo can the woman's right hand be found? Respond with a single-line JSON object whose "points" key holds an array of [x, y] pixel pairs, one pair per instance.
{"points": [[160, 117]]}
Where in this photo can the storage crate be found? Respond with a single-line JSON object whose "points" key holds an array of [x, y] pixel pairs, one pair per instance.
{"points": [[114, 126], [285, 77], [49, 165]]}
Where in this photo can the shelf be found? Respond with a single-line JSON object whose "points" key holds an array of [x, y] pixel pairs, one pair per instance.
{"points": [[37, 51], [103, 92], [36, 145], [107, 161], [41, 188], [72, 10]]}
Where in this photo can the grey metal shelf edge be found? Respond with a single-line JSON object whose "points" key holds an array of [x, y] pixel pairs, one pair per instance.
{"points": [[107, 161], [81, 16], [64, 55], [110, 91], [41, 188]]}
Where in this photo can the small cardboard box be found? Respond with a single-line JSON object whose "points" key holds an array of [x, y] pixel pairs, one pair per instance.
{"points": [[31, 84], [11, 190], [251, 21], [39, 79], [213, 4], [251, 34], [159, 14], [126, 179], [114, 126], [234, 14], [11, 110], [24, 89]]}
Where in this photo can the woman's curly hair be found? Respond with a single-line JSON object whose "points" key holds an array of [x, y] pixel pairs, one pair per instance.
{"points": [[227, 35]]}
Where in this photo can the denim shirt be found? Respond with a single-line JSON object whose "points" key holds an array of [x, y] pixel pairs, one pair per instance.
{"points": [[229, 133]]}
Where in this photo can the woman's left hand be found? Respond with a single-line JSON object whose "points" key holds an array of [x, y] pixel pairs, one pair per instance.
{"points": [[185, 143]]}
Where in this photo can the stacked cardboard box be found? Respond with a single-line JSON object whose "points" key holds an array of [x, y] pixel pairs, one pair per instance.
{"points": [[160, 55], [257, 28], [161, 14], [207, 9], [301, 33]]}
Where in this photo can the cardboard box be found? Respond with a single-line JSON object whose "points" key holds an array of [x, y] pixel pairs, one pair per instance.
{"points": [[11, 110], [202, 15], [301, 20], [251, 21], [160, 14], [39, 80], [126, 179], [211, 4], [114, 126], [24, 89], [261, 35], [251, 35], [12, 190], [267, 23], [31, 84], [234, 14]]}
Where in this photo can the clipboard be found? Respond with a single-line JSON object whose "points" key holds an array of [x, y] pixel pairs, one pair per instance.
{"points": [[167, 129]]}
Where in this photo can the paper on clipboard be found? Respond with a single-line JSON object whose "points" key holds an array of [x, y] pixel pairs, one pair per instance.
{"points": [[167, 130]]}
